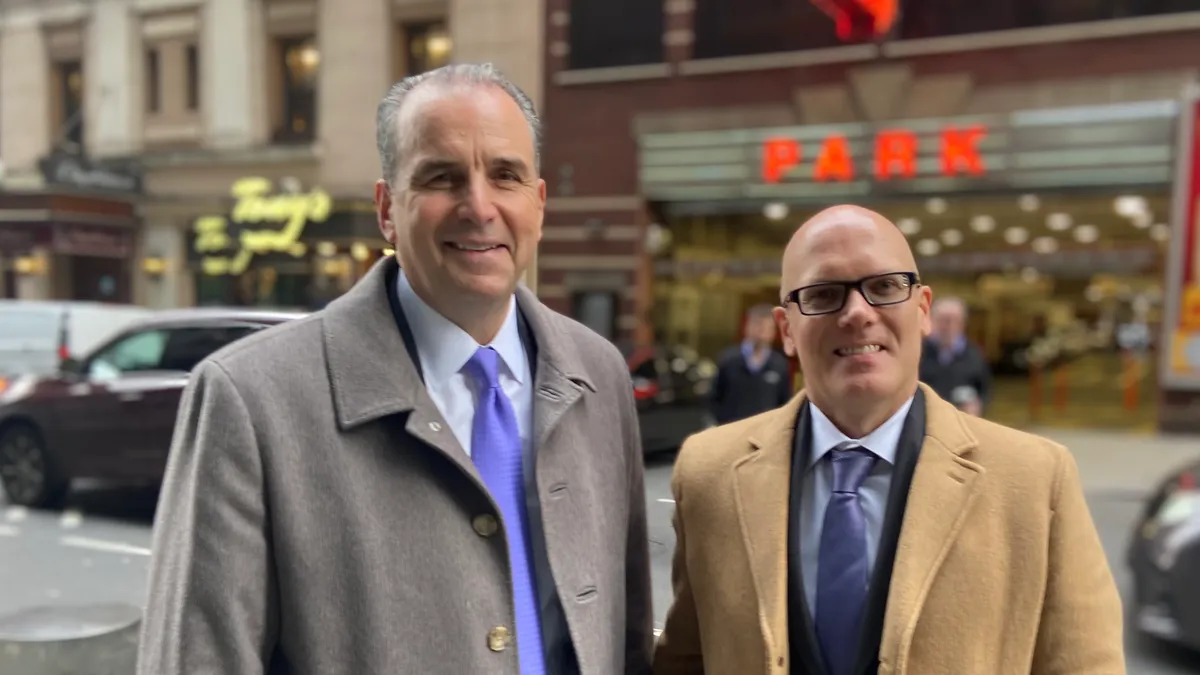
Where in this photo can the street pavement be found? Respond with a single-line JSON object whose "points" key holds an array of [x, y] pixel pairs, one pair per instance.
{"points": [[97, 549]]}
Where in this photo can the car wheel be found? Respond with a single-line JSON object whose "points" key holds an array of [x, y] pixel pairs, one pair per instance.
{"points": [[28, 472]]}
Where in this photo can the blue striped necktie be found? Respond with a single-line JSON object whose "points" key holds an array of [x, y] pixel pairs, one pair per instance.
{"points": [[843, 573], [496, 450]]}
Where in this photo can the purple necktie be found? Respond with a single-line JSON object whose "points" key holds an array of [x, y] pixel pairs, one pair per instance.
{"points": [[496, 449], [843, 573]]}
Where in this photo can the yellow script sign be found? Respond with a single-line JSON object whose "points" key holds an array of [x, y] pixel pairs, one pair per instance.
{"points": [[253, 206]]}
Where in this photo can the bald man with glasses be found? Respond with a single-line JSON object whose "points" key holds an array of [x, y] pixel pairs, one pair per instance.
{"points": [[869, 526]]}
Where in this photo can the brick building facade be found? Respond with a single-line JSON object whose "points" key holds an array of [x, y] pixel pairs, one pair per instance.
{"points": [[604, 200]]}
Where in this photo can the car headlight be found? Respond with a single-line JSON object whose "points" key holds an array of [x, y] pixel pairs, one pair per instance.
{"points": [[13, 389]]}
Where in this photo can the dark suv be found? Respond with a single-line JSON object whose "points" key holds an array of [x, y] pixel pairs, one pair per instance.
{"points": [[110, 415]]}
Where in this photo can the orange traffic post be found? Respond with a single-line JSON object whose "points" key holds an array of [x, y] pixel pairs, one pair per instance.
{"points": [[1060, 388], [1035, 391], [1130, 382]]}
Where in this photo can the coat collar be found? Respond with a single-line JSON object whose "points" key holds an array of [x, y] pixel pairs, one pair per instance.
{"points": [[941, 493], [369, 369]]}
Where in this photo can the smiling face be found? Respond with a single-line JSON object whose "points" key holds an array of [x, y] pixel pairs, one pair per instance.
{"points": [[862, 361], [465, 208]]}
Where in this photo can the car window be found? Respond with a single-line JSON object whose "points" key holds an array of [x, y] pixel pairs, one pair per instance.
{"points": [[137, 352], [187, 347]]}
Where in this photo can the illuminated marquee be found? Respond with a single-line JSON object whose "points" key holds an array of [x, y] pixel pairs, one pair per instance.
{"points": [[895, 155], [223, 253]]}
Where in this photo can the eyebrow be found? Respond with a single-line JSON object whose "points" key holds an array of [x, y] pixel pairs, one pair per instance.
{"points": [[431, 165], [516, 164]]}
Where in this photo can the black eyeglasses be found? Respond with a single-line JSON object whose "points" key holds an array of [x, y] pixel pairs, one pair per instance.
{"points": [[878, 290]]}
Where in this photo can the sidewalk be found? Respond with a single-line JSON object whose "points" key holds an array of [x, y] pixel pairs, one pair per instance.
{"points": [[1122, 462]]}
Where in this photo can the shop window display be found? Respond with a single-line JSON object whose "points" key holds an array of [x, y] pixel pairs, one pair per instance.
{"points": [[1058, 284]]}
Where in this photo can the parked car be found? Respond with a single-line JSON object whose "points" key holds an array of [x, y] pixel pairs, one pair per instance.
{"points": [[110, 413], [1164, 557], [36, 336], [671, 386]]}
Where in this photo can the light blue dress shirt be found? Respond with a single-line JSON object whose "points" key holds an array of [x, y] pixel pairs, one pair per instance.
{"points": [[818, 488], [444, 350]]}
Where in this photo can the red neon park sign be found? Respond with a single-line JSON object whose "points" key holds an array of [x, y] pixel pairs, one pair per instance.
{"points": [[895, 155]]}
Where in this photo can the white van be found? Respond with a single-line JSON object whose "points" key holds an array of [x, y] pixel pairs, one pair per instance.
{"points": [[36, 336]]}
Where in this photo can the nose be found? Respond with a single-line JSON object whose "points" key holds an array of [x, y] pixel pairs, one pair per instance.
{"points": [[478, 203], [857, 312]]}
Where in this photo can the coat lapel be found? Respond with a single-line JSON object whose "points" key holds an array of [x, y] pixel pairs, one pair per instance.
{"points": [[560, 377], [762, 480], [944, 486], [371, 371]]}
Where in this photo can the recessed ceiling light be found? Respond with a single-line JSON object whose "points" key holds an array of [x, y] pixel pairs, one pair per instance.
{"points": [[775, 210], [1160, 232], [1016, 235], [928, 247], [1142, 219], [936, 205], [983, 224], [1130, 205], [909, 226], [1029, 275], [1045, 245], [1059, 222], [952, 237], [1086, 234], [1029, 203]]}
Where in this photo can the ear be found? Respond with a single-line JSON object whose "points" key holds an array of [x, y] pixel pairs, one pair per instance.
{"points": [[383, 211], [781, 321], [924, 302], [541, 204]]}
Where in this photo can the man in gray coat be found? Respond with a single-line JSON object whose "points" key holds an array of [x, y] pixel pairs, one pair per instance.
{"points": [[436, 473]]}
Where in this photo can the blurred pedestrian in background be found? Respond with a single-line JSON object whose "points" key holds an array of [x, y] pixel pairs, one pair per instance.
{"points": [[870, 526], [385, 487], [752, 377], [951, 364]]}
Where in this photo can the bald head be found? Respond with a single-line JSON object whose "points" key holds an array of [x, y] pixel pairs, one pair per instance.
{"points": [[830, 232], [858, 326]]}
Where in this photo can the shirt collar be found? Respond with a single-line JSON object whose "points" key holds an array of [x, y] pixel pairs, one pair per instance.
{"points": [[882, 441], [444, 348]]}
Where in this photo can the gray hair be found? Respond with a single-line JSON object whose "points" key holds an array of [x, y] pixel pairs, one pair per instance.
{"points": [[387, 132], [949, 302]]}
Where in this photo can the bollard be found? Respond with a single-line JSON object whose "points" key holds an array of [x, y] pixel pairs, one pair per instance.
{"points": [[1060, 388], [1035, 392], [1130, 376], [97, 639]]}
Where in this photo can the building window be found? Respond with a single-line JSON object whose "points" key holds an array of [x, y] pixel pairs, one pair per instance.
{"points": [[70, 96], [301, 63], [192, 78], [936, 18], [596, 310], [427, 46], [153, 80], [724, 28], [608, 33]]}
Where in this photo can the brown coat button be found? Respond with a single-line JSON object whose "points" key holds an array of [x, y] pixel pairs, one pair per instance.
{"points": [[498, 638], [485, 524]]}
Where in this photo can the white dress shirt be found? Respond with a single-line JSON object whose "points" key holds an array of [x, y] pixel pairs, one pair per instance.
{"points": [[445, 349], [818, 488]]}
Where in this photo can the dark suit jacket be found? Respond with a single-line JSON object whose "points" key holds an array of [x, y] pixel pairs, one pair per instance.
{"points": [[802, 637]]}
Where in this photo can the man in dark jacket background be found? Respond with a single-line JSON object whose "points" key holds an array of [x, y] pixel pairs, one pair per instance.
{"points": [[752, 377], [953, 366]]}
